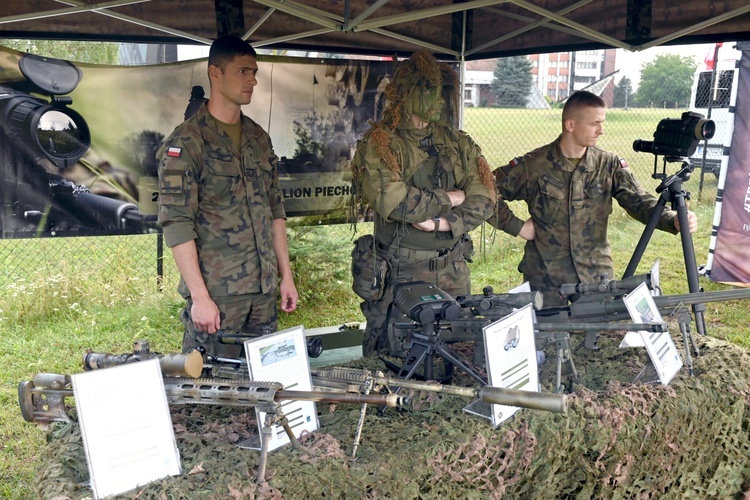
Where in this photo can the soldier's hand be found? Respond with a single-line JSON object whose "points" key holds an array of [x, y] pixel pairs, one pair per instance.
{"points": [[205, 315], [527, 231], [457, 197], [692, 222], [289, 296]]}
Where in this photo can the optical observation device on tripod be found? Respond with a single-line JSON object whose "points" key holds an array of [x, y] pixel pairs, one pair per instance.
{"points": [[678, 137], [676, 140]]}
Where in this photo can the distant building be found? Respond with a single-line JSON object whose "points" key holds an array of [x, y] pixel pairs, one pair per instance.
{"points": [[555, 76], [477, 89], [551, 74], [478, 76], [590, 66], [560, 74]]}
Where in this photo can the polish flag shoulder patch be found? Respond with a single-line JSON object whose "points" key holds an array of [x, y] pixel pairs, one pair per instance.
{"points": [[624, 163], [514, 162], [174, 152]]}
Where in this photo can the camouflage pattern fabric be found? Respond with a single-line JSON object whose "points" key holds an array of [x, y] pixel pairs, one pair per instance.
{"points": [[224, 200], [418, 191], [255, 314], [448, 160], [570, 207]]}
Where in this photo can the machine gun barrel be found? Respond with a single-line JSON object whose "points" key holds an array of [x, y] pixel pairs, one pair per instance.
{"points": [[245, 392], [614, 309], [353, 380], [688, 299], [595, 327]]}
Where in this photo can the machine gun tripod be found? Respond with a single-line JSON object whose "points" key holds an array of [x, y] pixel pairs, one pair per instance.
{"points": [[427, 305]]}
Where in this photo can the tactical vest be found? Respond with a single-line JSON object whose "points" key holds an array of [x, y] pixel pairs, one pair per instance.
{"points": [[434, 173]]}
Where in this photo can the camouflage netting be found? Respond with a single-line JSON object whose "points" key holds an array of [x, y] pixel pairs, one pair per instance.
{"points": [[618, 440]]}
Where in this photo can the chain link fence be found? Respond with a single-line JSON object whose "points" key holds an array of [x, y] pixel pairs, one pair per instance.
{"points": [[502, 133]]}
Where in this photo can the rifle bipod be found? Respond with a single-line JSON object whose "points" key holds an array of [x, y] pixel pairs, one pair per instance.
{"points": [[682, 315], [561, 340], [274, 417]]}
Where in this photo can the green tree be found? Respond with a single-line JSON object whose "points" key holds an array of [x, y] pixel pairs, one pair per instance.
{"points": [[666, 82], [512, 82], [69, 50], [623, 95]]}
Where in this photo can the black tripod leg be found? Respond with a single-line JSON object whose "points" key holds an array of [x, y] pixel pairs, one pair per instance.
{"points": [[672, 191], [415, 357], [690, 266], [646, 236], [449, 356]]}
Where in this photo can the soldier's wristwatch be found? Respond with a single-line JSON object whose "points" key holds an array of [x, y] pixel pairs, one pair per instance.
{"points": [[436, 220]]}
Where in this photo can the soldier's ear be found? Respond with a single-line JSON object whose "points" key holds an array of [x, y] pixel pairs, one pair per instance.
{"points": [[569, 125], [213, 71]]}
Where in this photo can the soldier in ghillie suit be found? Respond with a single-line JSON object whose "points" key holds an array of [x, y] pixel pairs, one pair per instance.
{"points": [[568, 186], [222, 210], [428, 186]]}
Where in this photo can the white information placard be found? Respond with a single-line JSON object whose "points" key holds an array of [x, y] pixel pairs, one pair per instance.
{"points": [[660, 346], [282, 357], [524, 287], [511, 357], [126, 426]]}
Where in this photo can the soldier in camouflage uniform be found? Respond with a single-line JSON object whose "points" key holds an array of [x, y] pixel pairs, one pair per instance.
{"points": [[428, 185], [222, 210], [568, 186]]}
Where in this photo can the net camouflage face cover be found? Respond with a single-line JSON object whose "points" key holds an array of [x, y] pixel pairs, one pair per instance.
{"points": [[418, 89], [426, 103]]}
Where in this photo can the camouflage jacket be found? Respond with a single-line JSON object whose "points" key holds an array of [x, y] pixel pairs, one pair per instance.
{"points": [[570, 208], [413, 186], [224, 200]]}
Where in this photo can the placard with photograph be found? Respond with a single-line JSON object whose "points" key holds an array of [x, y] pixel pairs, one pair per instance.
{"points": [[660, 346], [126, 426], [479, 407], [511, 358], [282, 357]]}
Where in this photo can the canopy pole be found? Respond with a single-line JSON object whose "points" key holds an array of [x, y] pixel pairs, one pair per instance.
{"points": [[462, 71]]}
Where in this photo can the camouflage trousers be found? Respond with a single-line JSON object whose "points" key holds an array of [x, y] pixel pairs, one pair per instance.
{"points": [[254, 314], [450, 272]]}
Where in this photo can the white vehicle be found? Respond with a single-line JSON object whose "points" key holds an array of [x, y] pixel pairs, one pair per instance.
{"points": [[714, 96]]}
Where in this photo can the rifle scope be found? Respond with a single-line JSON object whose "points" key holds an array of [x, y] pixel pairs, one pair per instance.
{"points": [[53, 131], [172, 365], [605, 286]]}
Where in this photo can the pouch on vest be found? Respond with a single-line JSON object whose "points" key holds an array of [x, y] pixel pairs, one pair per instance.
{"points": [[370, 271]]}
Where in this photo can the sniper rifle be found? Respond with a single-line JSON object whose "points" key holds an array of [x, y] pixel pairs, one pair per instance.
{"points": [[42, 401]]}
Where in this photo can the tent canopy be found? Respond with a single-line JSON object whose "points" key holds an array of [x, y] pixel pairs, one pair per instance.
{"points": [[472, 29]]}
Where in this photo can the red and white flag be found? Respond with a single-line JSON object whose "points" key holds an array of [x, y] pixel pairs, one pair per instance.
{"points": [[711, 56]]}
